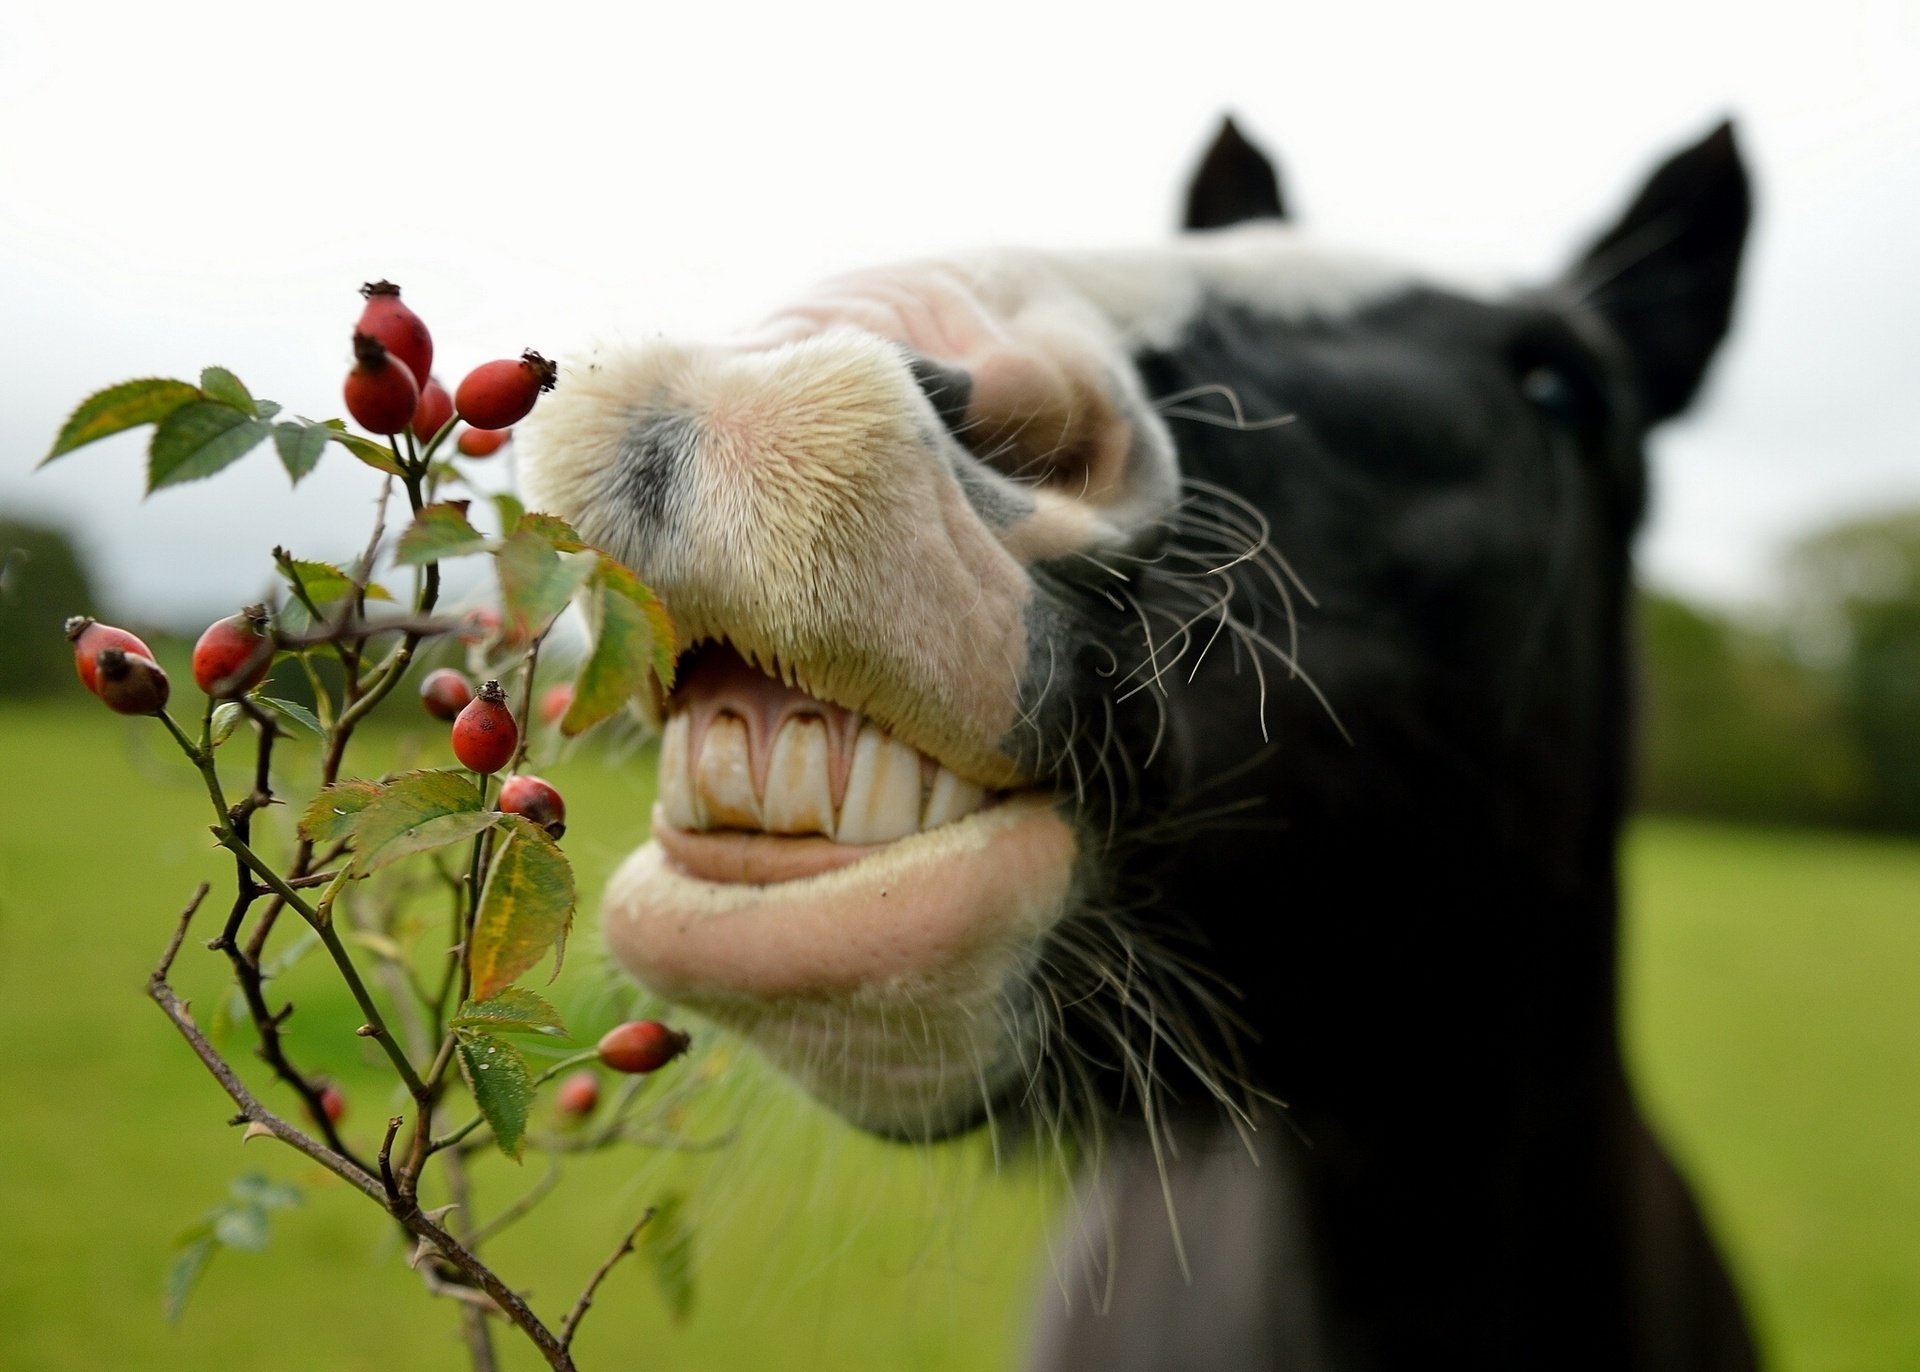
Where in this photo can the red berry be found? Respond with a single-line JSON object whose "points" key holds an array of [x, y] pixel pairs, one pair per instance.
{"points": [[535, 799], [555, 701], [484, 736], [234, 654], [380, 391], [131, 683], [496, 395], [398, 328], [483, 442], [433, 411], [333, 1103], [88, 637], [641, 1045], [578, 1094], [446, 693], [482, 624]]}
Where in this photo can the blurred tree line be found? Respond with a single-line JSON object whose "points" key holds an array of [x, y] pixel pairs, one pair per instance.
{"points": [[1810, 716]]}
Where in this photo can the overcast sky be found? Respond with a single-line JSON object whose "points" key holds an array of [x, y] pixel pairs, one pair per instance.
{"points": [[181, 186]]}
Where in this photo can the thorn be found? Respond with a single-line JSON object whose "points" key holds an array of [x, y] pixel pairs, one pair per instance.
{"points": [[256, 1130]]}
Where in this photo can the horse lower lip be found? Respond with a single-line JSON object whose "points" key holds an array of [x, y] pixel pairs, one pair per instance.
{"points": [[738, 856]]}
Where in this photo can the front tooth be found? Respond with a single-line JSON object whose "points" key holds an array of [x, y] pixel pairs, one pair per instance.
{"points": [[950, 798], [675, 786], [799, 797], [724, 776], [883, 791]]}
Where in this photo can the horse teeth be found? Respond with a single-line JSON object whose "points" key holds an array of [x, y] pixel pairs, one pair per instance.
{"points": [[883, 790], [676, 779], [950, 798], [799, 795], [723, 773]]}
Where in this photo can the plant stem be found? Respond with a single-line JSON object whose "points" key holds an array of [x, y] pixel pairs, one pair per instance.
{"points": [[585, 1055]]}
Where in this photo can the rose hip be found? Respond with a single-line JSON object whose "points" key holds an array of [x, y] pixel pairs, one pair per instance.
{"points": [[380, 392], [433, 411], [88, 636], [446, 693], [641, 1045], [482, 442], [131, 683], [333, 1103], [555, 701], [234, 654], [496, 395], [484, 734], [577, 1095], [398, 328], [536, 800]]}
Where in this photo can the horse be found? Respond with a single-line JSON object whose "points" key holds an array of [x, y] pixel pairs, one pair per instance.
{"points": [[1172, 707]]}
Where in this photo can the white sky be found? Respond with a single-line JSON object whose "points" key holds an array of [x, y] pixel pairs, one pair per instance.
{"points": [[209, 183]]}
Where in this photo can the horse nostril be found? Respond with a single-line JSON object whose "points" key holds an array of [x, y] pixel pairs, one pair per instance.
{"points": [[948, 388]]}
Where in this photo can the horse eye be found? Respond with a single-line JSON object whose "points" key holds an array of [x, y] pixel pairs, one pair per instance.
{"points": [[1548, 390]]}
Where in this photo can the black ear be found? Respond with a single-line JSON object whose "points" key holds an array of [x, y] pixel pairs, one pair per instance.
{"points": [[1235, 182], [1664, 276]]}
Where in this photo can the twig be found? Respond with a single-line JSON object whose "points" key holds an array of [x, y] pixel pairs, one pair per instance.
{"points": [[386, 1157], [457, 1255], [571, 1324], [520, 1208]]}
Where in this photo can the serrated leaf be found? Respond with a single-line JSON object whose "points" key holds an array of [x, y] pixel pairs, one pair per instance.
{"points": [[323, 581], [631, 634], [242, 1226], [557, 533], [298, 713], [510, 510], [300, 446], [439, 531], [266, 409], [409, 816], [515, 1010], [335, 813], [667, 1245], [217, 383], [118, 408], [525, 907], [535, 583], [376, 455], [184, 1272], [226, 718], [502, 1086], [255, 1189], [198, 439]]}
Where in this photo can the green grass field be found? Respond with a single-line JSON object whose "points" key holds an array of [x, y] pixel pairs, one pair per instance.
{"points": [[1770, 984]]}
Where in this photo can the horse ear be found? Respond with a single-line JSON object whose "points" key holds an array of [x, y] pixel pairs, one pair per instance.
{"points": [[1234, 182], [1664, 276]]}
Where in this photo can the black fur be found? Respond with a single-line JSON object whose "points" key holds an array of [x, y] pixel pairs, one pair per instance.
{"points": [[1411, 890], [1235, 182]]}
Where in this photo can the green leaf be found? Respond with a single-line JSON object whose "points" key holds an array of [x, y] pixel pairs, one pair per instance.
{"points": [[183, 1273], [298, 713], [535, 583], [118, 408], [510, 510], [376, 455], [525, 907], [501, 1084], [335, 813], [226, 718], [198, 439], [266, 409], [217, 383], [631, 635], [515, 1010], [255, 1189], [415, 812], [558, 534], [242, 1226], [323, 581], [300, 446], [440, 530], [667, 1245]]}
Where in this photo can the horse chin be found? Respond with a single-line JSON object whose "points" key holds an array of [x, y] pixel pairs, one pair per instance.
{"points": [[884, 978]]}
